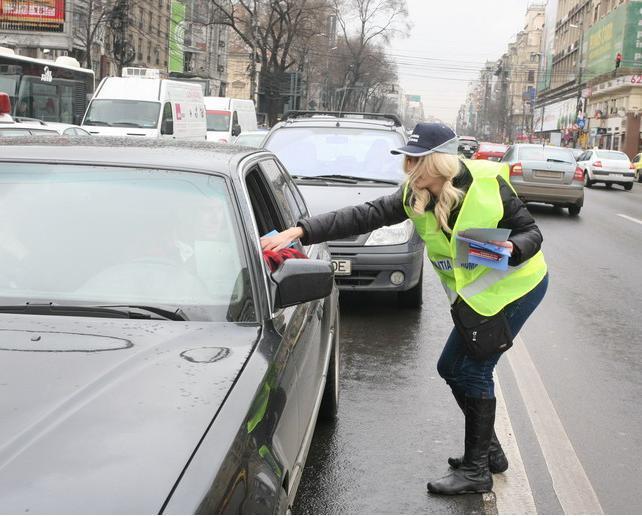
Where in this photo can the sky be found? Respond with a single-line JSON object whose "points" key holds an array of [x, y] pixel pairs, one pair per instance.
{"points": [[449, 42]]}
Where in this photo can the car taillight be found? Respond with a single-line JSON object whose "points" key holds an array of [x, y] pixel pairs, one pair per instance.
{"points": [[474, 156], [579, 174], [597, 164], [516, 169]]}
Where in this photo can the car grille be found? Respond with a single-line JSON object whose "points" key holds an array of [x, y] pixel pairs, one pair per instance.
{"points": [[357, 279]]}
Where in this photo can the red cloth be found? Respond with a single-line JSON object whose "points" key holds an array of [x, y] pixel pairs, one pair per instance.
{"points": [[274, 259]]}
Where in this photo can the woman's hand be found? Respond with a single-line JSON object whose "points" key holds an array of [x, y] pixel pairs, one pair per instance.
{"points": [[508, 244], [282, 240]]}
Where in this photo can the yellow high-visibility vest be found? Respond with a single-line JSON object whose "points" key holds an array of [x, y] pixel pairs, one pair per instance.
{"points": [[484, 289]]}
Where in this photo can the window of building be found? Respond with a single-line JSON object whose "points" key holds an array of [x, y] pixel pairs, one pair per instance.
{"points": [[139, 54], [531, 76], [140, 17], [151, 22]]}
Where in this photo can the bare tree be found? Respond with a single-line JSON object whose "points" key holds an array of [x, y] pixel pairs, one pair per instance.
{"points": [[90, 21], [276, 32], [364, 24]]}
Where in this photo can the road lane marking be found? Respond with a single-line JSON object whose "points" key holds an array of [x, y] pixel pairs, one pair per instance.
{"points": [[570, 482], [629, 218], [513, 493]]}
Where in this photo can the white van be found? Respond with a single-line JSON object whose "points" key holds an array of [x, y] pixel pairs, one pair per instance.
{"points": [[152, 108], [227, 118]]}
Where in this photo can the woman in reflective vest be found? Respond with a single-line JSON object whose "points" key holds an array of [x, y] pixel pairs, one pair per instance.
{"points": [[443, 196]]}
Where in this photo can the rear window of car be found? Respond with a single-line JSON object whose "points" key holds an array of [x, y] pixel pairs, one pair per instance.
{"points": [[492, 147], [612, 155], [90, 235], [546, 153], [314, 151]]}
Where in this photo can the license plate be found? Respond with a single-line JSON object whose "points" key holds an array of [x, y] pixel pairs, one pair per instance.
{"points": [[342, 267], [548, 174], [616, 176]]}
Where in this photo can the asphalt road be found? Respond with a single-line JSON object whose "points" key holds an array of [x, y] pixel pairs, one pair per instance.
{"points": [[398, 423]]}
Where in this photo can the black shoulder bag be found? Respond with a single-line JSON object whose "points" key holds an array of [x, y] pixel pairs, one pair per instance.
{"points": [[483, 335]]}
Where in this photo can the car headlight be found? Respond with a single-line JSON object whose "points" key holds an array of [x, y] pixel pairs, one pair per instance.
{"points": [[392, 235]]}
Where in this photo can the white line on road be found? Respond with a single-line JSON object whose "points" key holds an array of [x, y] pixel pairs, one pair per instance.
{"points": [[513, 493], [629, 218], [572, 486]]}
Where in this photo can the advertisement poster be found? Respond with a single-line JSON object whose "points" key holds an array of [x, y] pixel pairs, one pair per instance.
{"points": [[177, 37], [32, 12], [617, 32]]}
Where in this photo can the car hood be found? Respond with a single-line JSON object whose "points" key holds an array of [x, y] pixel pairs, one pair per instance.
{"points": [[102, 415]]}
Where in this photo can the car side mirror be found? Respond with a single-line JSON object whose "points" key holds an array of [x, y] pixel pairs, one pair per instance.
{"points": [[299, 281], [167, 126], [236, 130]]}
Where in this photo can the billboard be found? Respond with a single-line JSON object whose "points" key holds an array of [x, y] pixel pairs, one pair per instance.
{"points": [[617, 32], [555, 117], [31, 14], [177, 37], [546, 50]]}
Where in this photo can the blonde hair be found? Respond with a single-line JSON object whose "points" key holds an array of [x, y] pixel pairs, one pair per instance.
{"points": [[440, 165]]}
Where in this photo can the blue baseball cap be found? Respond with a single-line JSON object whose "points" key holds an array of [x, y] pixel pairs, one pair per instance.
{"points": [[429, 138]]}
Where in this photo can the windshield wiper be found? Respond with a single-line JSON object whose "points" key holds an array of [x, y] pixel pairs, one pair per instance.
{"points": [[96, 122], [173, 315], [116, 311], [555, 160], [331, 178], [360, 179], [125, 124]]}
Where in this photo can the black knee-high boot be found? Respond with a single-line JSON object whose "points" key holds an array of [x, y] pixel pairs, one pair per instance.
{"points": [[497, 461], [473, 475]]}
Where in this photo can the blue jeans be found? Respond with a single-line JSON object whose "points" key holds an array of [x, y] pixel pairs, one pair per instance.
{"points": [[473, 378]]}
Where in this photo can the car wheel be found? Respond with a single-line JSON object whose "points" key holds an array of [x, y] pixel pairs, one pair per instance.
{"points": [[414, 297], [608, 185], [574, 211], [330, 401], [627, 186], [587, 182]]}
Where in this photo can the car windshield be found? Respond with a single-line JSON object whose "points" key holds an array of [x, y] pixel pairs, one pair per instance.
{"points": [[90, 235], [123, 113], [545, 154], [620, 156], [218, 120], [314, 151]]}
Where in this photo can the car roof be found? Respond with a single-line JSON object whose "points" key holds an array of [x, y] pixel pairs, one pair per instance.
{"points": [[198, 156], [346, 121]]}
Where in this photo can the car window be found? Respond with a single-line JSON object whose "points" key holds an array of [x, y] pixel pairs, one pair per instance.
{"points": [[70, 132], [122, 113], [284, 198], [314, 151], [43, 131], [619, 156], [174, 240], [545, 153], [266, 211], [508, 155], [636, 159]]}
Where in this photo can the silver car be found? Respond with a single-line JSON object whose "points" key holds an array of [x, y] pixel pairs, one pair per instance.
{"points": [[546, 174]]}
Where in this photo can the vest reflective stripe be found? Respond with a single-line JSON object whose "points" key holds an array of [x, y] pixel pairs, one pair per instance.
{"points": [[485, 289]]}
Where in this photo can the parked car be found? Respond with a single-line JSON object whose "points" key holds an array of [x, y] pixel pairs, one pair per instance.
{"points": [[343, 159], [468, 145], [22, 126], [251, 138], [546, 174], [608, 167], [150, 361], [490, 151], [637, 163]]}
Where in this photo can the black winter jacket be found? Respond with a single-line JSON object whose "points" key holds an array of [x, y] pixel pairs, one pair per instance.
{"points": [[388, 210]]}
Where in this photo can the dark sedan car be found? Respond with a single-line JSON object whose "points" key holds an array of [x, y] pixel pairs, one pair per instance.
{"points": [[150, 361]]}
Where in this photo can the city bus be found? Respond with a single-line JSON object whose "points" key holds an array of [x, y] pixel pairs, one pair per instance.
{"points": [[53, 91]]}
